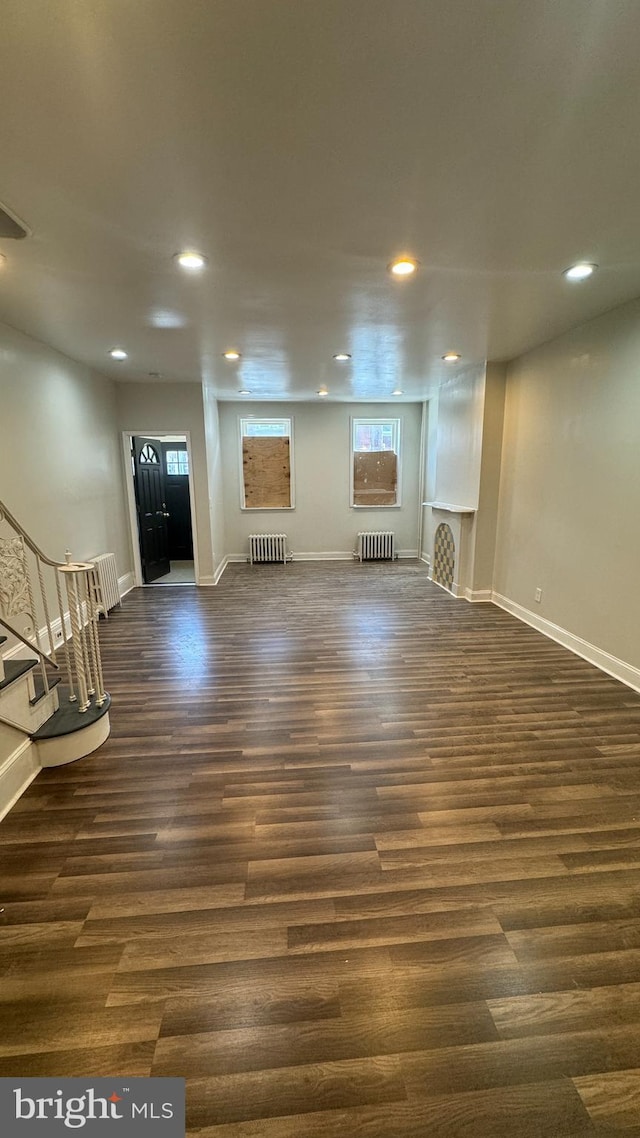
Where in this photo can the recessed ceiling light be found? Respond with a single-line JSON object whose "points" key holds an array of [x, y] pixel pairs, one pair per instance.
{"points": [[397, 392], [323, 391], [191, 260], [342, 356], [118, 354], [232, 354], [403, 266], [451, 357], [580, 272], [244, 392]]}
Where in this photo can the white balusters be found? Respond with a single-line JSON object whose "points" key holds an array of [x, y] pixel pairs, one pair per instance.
{"points": [[77, 649], [67, 657], [78, 632], [93, 617]]}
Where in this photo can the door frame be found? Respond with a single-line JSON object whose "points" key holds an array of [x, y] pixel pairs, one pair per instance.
{"points": [[127, 436]]}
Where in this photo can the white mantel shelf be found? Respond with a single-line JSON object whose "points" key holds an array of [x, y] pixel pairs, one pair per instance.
{"points": [[449, 508]]}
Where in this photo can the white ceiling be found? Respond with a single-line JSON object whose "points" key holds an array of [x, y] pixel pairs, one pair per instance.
{"points": [[301, 144]]}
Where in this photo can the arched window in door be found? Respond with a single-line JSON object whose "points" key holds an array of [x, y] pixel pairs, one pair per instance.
{"points": [[149, 454]]}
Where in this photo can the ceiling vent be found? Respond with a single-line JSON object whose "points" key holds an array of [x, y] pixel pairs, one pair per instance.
{"points": [[11, 226]]}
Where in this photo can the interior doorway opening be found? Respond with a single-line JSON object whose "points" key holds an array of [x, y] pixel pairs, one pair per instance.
{"points": [[162, 506]]}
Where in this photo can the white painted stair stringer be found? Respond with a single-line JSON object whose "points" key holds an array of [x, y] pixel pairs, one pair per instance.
{"points": [[15, 703], [19, 766]]}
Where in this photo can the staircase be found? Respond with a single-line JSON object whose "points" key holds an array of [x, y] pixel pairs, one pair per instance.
{"points": [[53, 706]]}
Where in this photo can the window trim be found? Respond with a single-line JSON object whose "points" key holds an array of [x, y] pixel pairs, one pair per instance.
{"points": [[398, 451], [242, 419]]}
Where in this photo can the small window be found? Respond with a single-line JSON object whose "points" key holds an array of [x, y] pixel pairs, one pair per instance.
{"points": [[375, 458], [149, 455], [266, 428], [177, 462], [266, 464]]}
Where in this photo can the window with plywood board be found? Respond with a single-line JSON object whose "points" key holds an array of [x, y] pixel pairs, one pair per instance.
{"points": [[375, 456], [266, 464]]}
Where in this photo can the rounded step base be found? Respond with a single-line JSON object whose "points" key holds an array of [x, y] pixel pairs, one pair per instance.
{"points": [[69, 735]]}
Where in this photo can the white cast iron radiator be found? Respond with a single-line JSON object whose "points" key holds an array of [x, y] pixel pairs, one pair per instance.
{"points": [[267, 547], [376, 546], [107, 574]]}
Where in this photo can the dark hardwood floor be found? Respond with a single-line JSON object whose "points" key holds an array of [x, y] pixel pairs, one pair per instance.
{"points": [[358, 859]]}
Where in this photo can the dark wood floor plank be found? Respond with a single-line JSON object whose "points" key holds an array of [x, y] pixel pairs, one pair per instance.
{"points": [[347, 1037], [47, 934], [201, 979], [210, 947], [198, 919], [391, 930], [26, 989], [313, 1087], [52, 1030], [252, 1004], [543, 1058], [542, 1110], [612, 1098], [573, 940], [180, 899], [84, 1062], [366, 862], [566, 1011]]}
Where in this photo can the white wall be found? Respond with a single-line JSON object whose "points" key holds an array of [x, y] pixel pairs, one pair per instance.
{"points": [[485, 522], [459, 438], [215, 478], [430, 459], [454, 463], [159, 408], [60, 464], [323, 520], [570, 486]]}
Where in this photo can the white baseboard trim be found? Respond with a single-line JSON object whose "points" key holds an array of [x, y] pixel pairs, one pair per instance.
{"points": [[344, 555], [16, 773], [20, 650], [425, 558], [475, 596], [619, 669], [220, 570], [311, 555], [208, 581], [125, 584], [331, 555], [444, 588]]}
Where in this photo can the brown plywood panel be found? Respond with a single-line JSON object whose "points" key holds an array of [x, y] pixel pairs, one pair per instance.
{"points": [[267, 472], [375, 478]]}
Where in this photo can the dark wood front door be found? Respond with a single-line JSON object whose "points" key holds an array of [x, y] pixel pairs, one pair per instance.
{"points": [[148, 470]]}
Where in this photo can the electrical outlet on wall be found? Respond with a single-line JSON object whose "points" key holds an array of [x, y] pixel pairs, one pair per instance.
{"points": [[538, 595]]}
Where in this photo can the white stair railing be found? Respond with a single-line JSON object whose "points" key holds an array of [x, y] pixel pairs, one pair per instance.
{"points": [[30, 583]]}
